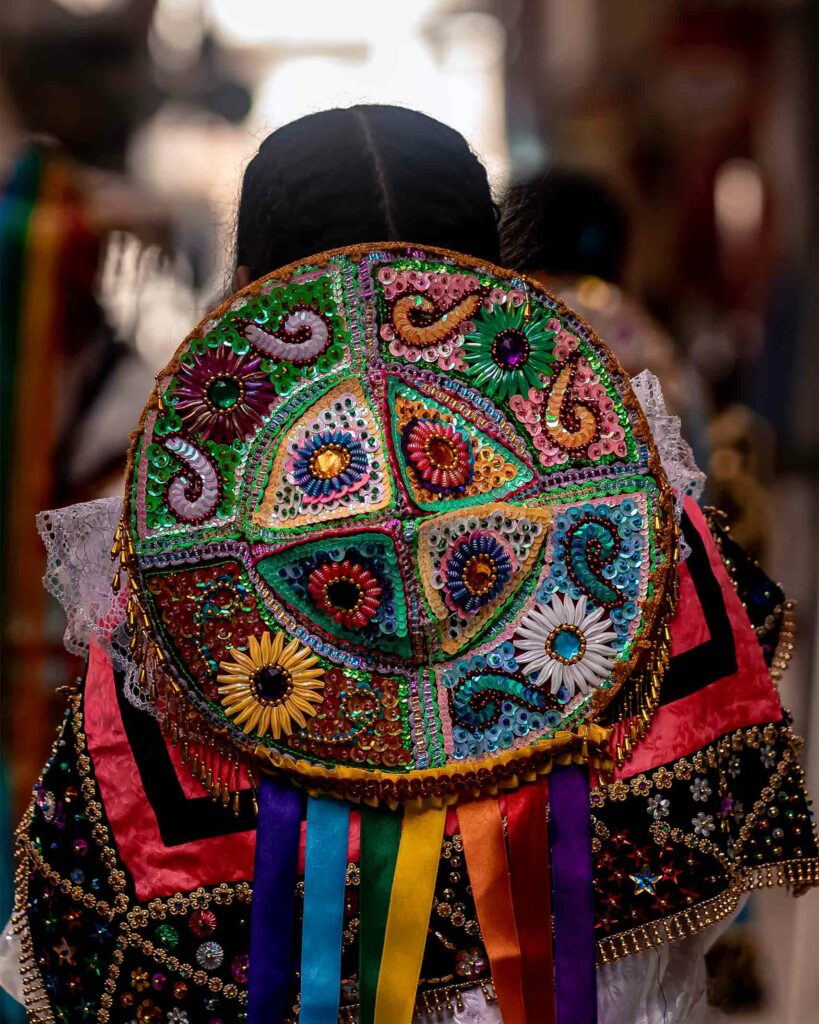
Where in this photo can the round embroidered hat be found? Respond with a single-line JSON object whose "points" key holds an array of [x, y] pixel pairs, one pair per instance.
{"points": [[395, 525]]}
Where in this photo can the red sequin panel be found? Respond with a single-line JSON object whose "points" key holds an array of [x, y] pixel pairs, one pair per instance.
{"points": [[204, 612], [359, 722]]}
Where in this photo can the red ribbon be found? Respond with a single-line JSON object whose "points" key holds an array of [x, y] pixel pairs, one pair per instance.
{"points": [[532, 897], [485, 848]]}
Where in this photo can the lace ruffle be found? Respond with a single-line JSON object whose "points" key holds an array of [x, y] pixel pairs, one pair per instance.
{"points": [[683, 473], [79, 571]]}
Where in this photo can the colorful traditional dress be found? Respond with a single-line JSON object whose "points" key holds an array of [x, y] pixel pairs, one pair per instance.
{"points": [[424, 686]]}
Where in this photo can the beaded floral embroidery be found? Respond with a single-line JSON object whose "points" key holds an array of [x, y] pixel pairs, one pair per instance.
{"points": [[392, 510]]}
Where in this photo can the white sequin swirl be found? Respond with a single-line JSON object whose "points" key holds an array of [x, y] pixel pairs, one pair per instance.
{"points": [[179, 488], [279, 347]]}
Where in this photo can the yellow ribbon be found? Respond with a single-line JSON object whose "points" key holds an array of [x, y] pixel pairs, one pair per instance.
{"points": [[416, 868]]}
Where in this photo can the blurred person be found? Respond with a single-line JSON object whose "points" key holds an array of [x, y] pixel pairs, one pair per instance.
{"points": [[587, 268], [62, 139], [353, 550], [62, 197]]}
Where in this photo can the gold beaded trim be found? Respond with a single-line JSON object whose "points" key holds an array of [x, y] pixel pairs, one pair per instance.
{"points": [[34, 995], [435, 1001], [669, 929], [787, 632], [786, 643], [798, 873]]}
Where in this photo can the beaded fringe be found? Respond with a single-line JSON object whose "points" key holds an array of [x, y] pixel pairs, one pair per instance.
{"points": [[670, 929], [38, 1008], [796, 874], [785, 644], [435, 1002]]}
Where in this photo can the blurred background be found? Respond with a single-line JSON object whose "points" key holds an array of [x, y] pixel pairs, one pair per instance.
{"points": [[672, 144]]}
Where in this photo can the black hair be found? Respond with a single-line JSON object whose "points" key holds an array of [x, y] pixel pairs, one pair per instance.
{"points": [[363, 174], [565, 223]]}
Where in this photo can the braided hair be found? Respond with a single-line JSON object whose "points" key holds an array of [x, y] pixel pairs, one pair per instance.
{"points": [[362, 174]]}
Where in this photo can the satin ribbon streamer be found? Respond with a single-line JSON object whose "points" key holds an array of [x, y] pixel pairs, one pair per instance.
{"points": [[532, 897], [325, 877], [573, 897], [380, 835], [271, 915], [485, 848], [416, 869]]}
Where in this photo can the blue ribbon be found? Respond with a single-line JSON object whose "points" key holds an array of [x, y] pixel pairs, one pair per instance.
{"points": [[271, 913], [325, 876], [572, 896]]}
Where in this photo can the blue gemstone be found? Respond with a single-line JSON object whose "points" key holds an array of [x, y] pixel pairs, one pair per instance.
{"points": [[567, 644]]}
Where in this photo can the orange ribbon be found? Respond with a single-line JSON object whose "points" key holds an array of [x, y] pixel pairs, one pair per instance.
{"points": [[481, 828]]}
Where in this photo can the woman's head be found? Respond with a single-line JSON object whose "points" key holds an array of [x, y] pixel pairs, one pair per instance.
{"points": [[584, 213], [362, 174]]}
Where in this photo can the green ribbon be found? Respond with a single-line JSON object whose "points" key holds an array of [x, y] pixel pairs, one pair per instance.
{"points": [[380, 835]]}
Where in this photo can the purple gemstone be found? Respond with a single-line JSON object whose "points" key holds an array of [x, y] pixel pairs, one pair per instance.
{"points": [[510, 349], [239, 968]]}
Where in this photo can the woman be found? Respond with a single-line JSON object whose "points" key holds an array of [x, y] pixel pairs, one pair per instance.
{"points": [[395, 528]]}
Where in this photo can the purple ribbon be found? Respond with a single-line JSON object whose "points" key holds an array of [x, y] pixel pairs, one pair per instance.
{"points": [[271, 913], [573, 896]]}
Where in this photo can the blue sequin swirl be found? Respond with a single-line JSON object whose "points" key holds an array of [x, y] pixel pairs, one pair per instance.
{"points": [[477, 700], [593, 545]]}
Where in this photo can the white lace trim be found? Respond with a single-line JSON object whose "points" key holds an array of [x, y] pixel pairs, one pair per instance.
{"points": [[683, 473], [79, 571], [680, 466], [78, 540]]}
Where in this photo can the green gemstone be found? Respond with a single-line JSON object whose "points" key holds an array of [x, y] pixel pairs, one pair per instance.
{"points": [[167, 936], [224, 392]]}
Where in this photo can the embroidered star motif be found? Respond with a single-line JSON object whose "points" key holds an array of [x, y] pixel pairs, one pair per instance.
{"points": [[621, 841], [662, 904], [100, 932], [671, 873], [65, 952], [73, 919], [639, 855], [644, 882]]}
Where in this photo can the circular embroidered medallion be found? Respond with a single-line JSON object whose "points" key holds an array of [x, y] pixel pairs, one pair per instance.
{"points": [[395, 523]]}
